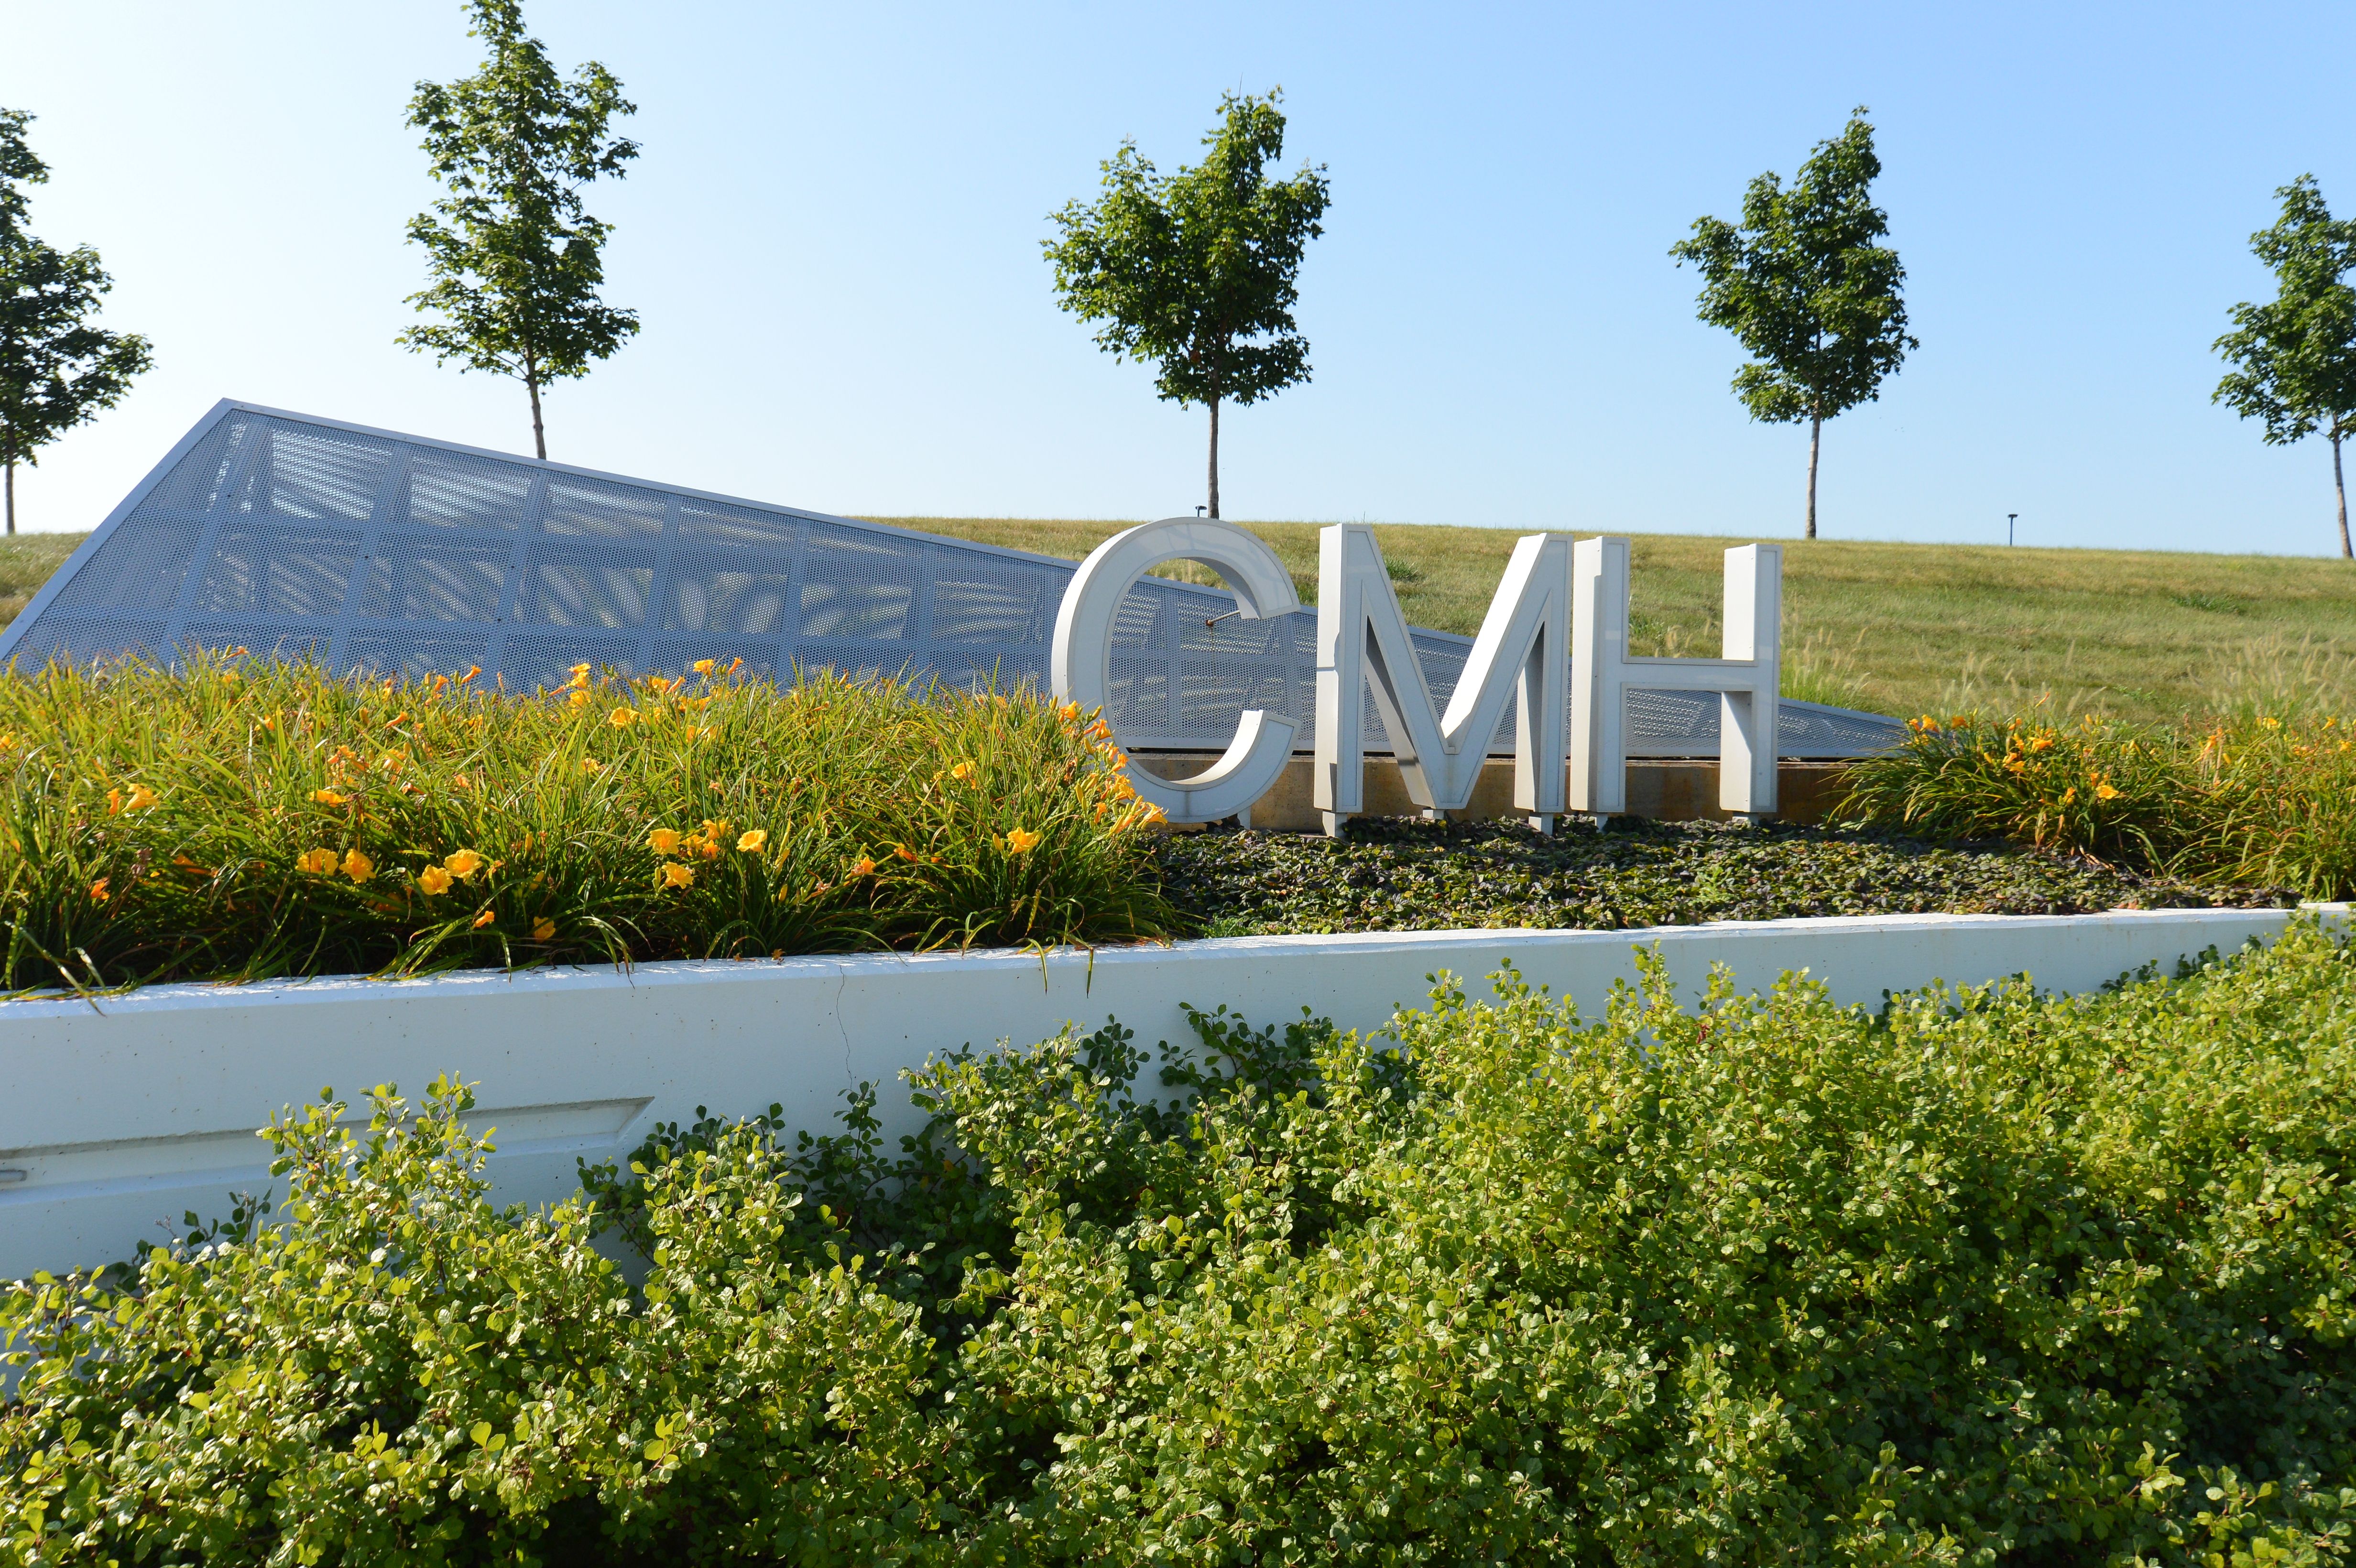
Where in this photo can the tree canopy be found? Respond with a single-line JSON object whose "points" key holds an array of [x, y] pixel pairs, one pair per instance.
{"points": [[56, 370], [514, 261], [2294, 358], [1804, 285], [1197, 272]]}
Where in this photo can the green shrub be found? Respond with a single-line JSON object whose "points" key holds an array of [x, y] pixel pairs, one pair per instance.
{"points": [[1986, 1277], [2247, 799], [247, 820]]}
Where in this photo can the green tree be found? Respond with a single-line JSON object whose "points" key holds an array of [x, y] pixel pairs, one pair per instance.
{"points": [[513, 259], [1198, 271], [57, 370], [2295, 357], [1802, 284]]}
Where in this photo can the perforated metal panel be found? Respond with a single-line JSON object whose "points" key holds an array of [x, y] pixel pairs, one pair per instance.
{"points": [[367, 549]]}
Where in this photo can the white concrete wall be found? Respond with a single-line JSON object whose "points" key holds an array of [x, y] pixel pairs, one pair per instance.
{"points": [[117, 1115]]}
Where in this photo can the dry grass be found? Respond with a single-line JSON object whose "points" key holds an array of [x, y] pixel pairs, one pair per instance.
{"points": [[1908, 628], [27, 562], [2145, 635]]}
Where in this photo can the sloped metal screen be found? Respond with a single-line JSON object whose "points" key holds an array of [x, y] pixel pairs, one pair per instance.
{"points": [[300, 537]]}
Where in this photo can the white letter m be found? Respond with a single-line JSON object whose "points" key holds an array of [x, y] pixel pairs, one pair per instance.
{"points": [[1523, 655]]}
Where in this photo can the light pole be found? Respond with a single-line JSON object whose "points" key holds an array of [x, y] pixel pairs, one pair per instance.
{"points": [[2009, 519]]}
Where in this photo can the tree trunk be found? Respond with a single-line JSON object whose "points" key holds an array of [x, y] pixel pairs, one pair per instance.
{"points": [[1215, 457], [539, 436], [2338, 483], [1815, 441], [12, 497]]}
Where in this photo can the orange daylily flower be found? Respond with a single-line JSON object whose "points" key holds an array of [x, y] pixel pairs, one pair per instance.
{"points": [[462, 864], [754, 841], [434, 881]]}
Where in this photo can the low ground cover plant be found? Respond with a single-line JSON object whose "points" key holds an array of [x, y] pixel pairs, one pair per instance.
{"points": [[2250, 797], [1406, 875], [1984, 1277], [243, 820]]}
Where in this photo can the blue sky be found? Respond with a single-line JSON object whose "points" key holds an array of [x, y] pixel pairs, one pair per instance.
{"points": [[833, 234]]}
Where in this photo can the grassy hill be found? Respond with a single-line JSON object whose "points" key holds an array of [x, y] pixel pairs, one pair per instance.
{"points": [[1908, 628], [25, 562], [1900, 628]]}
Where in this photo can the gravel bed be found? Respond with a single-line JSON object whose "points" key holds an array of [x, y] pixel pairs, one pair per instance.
{"points": [[1407, 875]]}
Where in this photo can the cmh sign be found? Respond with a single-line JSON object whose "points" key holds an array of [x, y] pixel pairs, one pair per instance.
{"points": [[1553, 644]]}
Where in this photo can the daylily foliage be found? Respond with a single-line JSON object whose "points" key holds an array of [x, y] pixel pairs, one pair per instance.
{"points": [[243, 820]]}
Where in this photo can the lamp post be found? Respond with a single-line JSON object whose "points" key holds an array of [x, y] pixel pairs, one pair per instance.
{"points": [[2009, 519]]}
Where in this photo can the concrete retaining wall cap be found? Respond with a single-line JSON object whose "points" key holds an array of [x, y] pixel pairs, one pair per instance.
{"points": [[120, 1112]]}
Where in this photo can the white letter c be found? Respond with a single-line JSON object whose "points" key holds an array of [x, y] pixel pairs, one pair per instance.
{"points": [[1083, 646]]}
